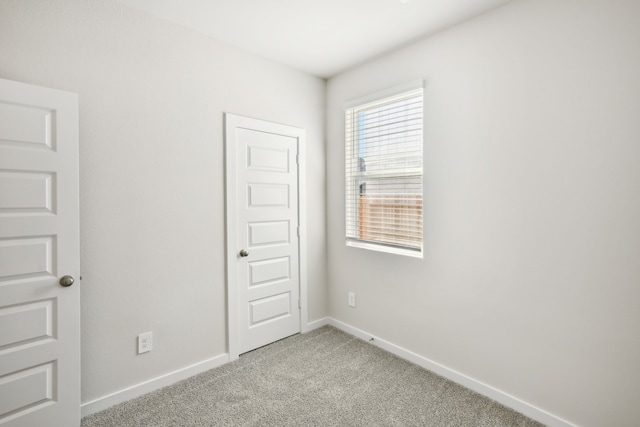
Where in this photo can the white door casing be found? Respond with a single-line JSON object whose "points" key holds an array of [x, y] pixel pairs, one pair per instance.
{"points": [[266, 285], [39, 244]]}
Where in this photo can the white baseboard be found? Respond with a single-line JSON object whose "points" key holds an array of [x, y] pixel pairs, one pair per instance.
{"points": [[153, 384], [499, 396], [316, 324]]}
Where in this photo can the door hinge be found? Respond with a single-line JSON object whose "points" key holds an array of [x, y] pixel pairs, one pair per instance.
{"points": [[299, 303], [298, 230], [298, 159]]}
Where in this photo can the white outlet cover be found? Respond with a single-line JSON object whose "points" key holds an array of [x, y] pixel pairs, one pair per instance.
{"points": [[145, 342]]}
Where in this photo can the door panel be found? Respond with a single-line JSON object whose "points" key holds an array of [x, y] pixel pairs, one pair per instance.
{"points": [[269, 308], [269, 233], [26, 192], [269, 271], [39, 242], [35, 320], [268, 195], [263, 220], [26, 125]]}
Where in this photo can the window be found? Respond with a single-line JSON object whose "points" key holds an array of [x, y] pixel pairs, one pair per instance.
{"points": [[383, 162]]}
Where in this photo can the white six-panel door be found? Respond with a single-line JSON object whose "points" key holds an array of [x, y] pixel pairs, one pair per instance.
{"points": [[39, 245], [263, 231]]}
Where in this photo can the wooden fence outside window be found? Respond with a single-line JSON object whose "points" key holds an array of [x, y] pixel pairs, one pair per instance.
{"points": [[391, 218]]}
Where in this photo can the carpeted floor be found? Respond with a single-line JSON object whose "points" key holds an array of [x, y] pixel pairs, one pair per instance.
{"points": [[323, 378]]}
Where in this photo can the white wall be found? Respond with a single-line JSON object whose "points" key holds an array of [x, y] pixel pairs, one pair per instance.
{"points": [[531, 277], [152, 97]]}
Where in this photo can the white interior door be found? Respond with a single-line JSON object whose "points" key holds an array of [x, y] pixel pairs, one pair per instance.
{"points": [[39, 244], [263, 230]]}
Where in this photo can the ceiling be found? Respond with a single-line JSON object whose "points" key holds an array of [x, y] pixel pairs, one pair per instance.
{"points": [[320, 37]]}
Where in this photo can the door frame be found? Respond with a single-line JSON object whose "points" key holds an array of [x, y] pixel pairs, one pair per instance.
{"points": [[231, 122]]}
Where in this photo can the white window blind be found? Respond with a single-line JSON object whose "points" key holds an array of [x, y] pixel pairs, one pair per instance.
{"points": [[384, 173]]}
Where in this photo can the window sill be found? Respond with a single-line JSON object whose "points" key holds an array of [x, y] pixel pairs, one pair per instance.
{"points": [[384, 248]]}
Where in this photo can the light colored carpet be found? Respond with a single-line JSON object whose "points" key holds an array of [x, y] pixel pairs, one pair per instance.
{"points": [[323, 378]]}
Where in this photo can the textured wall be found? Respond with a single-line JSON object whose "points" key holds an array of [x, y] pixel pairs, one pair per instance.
{"points": [[152, 97], [530, 281]]}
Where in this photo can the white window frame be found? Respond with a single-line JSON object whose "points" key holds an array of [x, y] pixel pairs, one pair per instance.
{"points": [[351, 179]]}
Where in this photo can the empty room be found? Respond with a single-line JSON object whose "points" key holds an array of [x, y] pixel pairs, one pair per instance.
{"points": [[319, 212]]}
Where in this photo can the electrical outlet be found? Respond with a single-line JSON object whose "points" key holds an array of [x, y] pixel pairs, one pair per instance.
{"points": [[352, 299], [145, 342]]}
